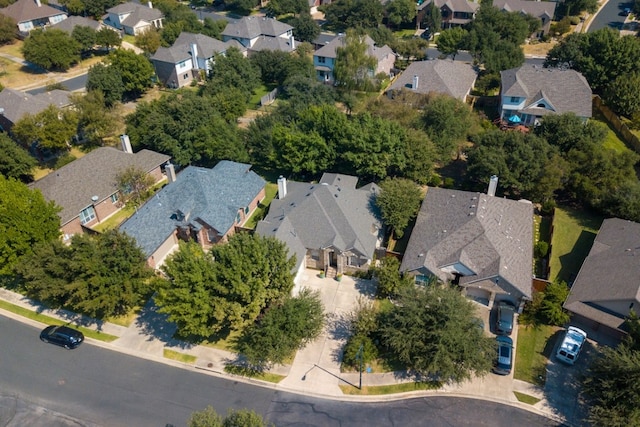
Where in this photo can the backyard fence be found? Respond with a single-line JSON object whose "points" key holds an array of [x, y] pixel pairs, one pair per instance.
{"points": [[621, 128], [269, 98]]}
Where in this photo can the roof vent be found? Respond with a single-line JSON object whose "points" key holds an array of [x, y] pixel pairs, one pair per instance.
{"points": [[94, 198]]}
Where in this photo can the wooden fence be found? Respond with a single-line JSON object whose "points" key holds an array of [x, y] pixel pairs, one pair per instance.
{"points": [[631, 140]]}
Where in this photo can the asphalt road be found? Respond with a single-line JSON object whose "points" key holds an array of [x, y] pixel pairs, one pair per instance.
{"points": [[609, 15], [433, 53], [72, 84]]}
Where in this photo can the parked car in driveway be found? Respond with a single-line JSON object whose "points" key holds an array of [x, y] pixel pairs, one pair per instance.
{"points": [[504, 361], [62, 335], [571, 345], [504, 319]]}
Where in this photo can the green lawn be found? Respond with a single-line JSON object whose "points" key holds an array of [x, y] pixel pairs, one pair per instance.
{"points": [[573, 234], [260, 212], [389, 389], [612, 141], [532, 352], [264, 376], [21, 311], [180, 357], [261, 91], [525, 398], [115, 220]]}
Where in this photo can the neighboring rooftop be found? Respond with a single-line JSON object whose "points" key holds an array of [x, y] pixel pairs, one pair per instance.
{"points": [[138, 12], [206, 46], [250, 27], [330, 50], [453, 78], [29, 10], [15, 104], [76, 21], [533, 8]]}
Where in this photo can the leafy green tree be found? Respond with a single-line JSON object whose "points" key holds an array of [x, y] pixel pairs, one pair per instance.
{"points": [[574, 7], [85, 36], [353, 66], [134, 185], [277, 66], [136, 71], [448, 122], [226, 289], [95, 8], [242, 7], [100, 276], [26, 219], [601, 56], [450, 41], [282, 7], [149, 41], [623, 202], [300, 152], [305, 28], [233, 70], [399, 202], [208, 417], [95, 121], [343, 14], [568, 131], [51, 49], [400, 12], [432, 331], [15, 161], [7, 29], [551, 309], [433, 18], [51, 129], [108, 38], [188, 127], [284, 328], [213, 28], [621, 94], [108, 80], [390, 280]]}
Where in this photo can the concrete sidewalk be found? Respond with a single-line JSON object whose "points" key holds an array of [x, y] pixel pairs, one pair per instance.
{"points": [[315, 370]]}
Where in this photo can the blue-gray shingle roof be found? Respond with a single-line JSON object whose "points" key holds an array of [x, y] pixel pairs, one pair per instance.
{"points": [[199, 195]]}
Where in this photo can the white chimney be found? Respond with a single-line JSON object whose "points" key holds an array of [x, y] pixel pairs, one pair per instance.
{"points": [[38, 3], [282, 187], [150, 5], [194, 55], [493, 185], [414, 84], [126, 144], [170, 170], [292, 42]]}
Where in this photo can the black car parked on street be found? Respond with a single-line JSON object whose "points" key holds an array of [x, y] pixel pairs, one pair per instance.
{"points": [[63, 336]]}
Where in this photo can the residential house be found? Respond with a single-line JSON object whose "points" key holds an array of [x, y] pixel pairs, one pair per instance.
{"points": [[15, 104], [203, 205], [258, 33], [134, 18], [86, 189], [453, 78], [31, 14], [543, 10], [606, 288], [330, 225], [530, 92], [454, 13], [191, 57], [478, 241], [324, 59], [77, 21]]}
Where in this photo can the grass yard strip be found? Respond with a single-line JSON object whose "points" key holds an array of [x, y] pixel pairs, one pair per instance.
{"points": [[532, 353], [264, 376], [180, 357], [270, 192], [573, 234], [21, 311], [388, 389], [612, 140], [126, 319], [525, 398]]}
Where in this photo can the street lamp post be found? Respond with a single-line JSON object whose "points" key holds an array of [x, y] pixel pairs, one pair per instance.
{"points": [[359, 355]]}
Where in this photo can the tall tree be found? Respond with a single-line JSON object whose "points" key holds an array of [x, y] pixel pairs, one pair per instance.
{"points": [[401, 12], [53, 49], [149, 41], [305, 28], [448, 122], [353, 66], [343, 14], [621, 94], [433, 18], [136, 71], [281, 7], [108, 38], [15, 161], [26, 219], [432, 330], [390, 281], [107, 80], [134, 185], [51, 129], [450, 41], [233, 70], [86, 36], [7, 29], [95, 121], [399, 202]]}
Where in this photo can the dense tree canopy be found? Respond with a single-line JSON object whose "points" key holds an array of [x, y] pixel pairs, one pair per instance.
{"points": [[225, 289], [343, 14], [400, 12], [208, 417], [52, 49], [353, 65], [15, 161], [95, 121], [7, 29], [108, 80], [100, 276], [448, 122], [52, 128], [622, 94], [26, 219], [136, 71], [399, 202], [390, 281], [233, 71], [305, 28], [432, 331], [188, 127], [450, 41]]}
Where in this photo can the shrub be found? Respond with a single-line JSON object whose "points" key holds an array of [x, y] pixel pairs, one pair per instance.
{"points": [[575, 20], [352, 350], [542, 249], [548, 207]]}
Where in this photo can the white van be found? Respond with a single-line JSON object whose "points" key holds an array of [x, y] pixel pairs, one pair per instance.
{"points": [[571, 345]]}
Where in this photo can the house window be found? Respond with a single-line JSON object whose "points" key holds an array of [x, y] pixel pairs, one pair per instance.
{"points": [[182, 64], [321, 59], [185, 77], [246, 210], [87, 215], [211, 235], [114, 198], [515, 99], [422, 279], [541, 105], [238, 218]]}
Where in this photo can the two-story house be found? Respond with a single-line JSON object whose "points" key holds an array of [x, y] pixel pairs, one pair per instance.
{"points": [[454, 12], [324, 59], [191, 57], [134, 18], [14, 104], [31, 14], [258, 33], [530, 92], [543, 10]]}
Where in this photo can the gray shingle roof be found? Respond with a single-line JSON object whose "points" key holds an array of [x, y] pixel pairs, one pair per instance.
{"points": [[73, 185], [533, 8], [453, 78], [272, 43], [212, 196], [607, 283], [332, 213], [138, 12], [491, 236], [454, 5], [28, 10], [180, 51], [250, 27], [566, 90], [16, 104], [76, 21], [330, 50]]}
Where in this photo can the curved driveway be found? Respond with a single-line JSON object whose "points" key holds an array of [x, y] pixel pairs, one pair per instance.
{"points": [[609, 16], [99, 387]]}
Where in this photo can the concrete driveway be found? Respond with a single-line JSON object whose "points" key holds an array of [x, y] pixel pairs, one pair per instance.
{"points": [[316, 368]]}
